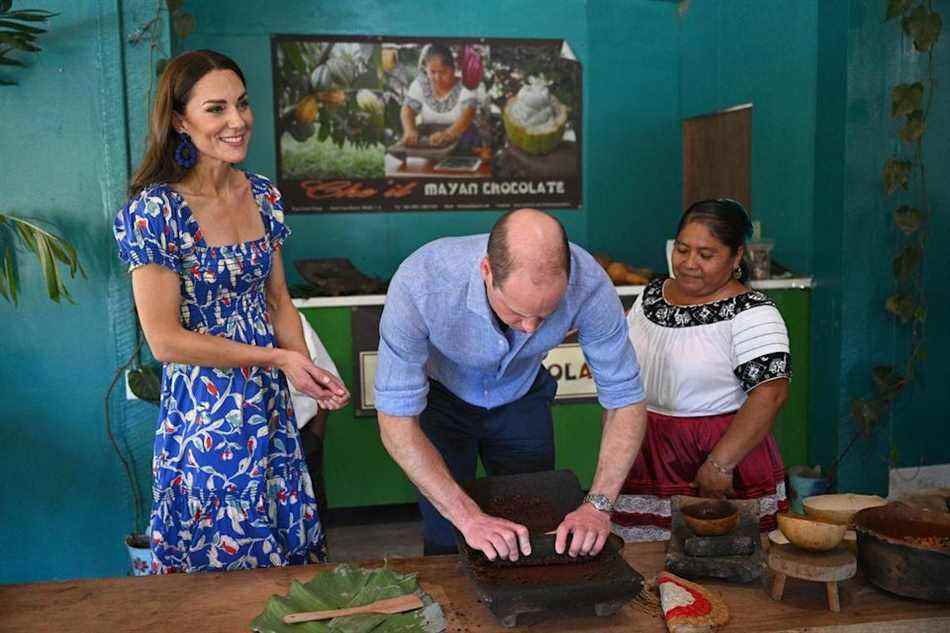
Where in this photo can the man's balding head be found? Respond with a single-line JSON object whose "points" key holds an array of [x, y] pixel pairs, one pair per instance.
{"points": [[528, 241]]}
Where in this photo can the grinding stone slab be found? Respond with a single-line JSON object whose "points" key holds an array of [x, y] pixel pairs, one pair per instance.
{"points": [[735, 568]]}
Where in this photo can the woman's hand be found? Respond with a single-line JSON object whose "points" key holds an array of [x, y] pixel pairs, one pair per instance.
{"points": [[442, 138], [713, 483], [319, 384], [410, 137]]}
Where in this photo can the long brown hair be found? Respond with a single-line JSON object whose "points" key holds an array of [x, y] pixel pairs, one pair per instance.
{"points": [[174, 88]]}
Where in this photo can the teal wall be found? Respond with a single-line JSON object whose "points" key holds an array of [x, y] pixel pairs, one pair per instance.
{"points": [[64, 504], [633, 164], [818, 72], [761, 52], [860, 59]]}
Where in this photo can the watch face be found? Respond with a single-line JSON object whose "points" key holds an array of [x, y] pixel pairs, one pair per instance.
{"points": [[600, 502]]}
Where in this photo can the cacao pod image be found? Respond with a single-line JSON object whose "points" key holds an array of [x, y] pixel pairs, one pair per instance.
{"points": [[369, 102], [390, 58], [320, 78], [332, 99], [306, 109]]}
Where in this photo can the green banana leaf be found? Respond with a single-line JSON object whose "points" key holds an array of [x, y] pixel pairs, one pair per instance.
{"points": [[348, 586]]}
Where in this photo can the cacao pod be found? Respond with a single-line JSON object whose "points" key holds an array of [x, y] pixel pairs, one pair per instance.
{"points": [[390, 59], [320, 78], [332, 99], [306, 109], [368, 101]]}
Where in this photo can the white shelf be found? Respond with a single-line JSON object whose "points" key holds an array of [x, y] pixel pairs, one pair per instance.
{"points": [[796, 283]]}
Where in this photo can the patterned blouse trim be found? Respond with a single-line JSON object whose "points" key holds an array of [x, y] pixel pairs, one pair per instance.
{"points": [[764, 368], [439, 105], [660, 311]]}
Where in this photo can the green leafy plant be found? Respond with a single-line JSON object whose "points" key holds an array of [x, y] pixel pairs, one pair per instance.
{"points": [[183, 23], [49, 249], [19, 31], [905, 171]]}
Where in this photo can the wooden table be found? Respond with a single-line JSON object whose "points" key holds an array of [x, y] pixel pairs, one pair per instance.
{"points": [[229, 601]]}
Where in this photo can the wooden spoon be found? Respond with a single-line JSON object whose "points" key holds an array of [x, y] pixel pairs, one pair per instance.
{"points": [[407, 602]]}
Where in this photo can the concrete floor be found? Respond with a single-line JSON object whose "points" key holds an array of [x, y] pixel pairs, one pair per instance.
{"points": [[358, 534]]}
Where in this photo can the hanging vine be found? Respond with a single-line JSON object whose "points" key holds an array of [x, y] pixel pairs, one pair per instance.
{"points": [[906, 171], [183, 23]]}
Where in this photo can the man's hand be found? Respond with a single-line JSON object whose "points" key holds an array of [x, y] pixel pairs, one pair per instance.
{"points": [[590, 528], [495, 537]]}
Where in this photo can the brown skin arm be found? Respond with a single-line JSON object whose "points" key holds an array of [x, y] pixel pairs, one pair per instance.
{"points": [[456, 130], [752, 423], [410, 135]]}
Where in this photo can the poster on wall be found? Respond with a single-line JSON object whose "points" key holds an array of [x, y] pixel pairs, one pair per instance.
{"points": [[382, 123]]}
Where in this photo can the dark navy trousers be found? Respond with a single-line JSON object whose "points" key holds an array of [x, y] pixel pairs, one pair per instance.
{"points": [[514, 438]]}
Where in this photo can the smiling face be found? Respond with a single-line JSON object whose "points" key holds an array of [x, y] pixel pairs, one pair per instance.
{"points": [[218, 117], [701, 262], [523, 302]]}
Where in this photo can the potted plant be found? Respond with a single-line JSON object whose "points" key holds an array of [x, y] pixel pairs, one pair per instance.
{"points": [[144, 382]]}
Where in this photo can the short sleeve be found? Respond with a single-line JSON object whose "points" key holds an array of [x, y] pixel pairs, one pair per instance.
{"points": [[468, 98], [415, 95], [272, 207], [147, 230], [760, 346]]}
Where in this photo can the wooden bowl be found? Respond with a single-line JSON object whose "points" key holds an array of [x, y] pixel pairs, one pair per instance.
{"points": [[839, 508], [810, 534], [711, 518]]}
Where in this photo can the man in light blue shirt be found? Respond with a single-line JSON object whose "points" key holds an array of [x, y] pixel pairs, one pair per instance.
{"points": [[466, 324]]}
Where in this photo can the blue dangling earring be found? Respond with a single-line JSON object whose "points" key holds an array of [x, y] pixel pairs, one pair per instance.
{"points": [[186, 154]]}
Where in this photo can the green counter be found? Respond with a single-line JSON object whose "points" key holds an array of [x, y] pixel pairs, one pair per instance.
{"points": [[359, 471]]}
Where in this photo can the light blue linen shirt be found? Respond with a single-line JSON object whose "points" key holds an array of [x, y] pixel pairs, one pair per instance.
{"points": [[437, 323]]}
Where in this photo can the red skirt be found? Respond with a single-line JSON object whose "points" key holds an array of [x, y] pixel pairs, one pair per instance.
{"points": [[672, 452]]}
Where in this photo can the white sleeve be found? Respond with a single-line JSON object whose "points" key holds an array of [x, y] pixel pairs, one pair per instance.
{"points": [[414, 96], [756, 332], [636, 308], [468, 98], [760, 346]]}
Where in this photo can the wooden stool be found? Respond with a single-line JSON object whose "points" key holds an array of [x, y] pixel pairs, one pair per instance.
{"points": [[827, 567]]}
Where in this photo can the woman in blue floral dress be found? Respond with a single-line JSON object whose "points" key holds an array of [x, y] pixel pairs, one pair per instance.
{"points": [[231, 489]]}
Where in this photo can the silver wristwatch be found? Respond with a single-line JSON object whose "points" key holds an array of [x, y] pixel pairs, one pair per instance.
{"points": [[600, 502]]}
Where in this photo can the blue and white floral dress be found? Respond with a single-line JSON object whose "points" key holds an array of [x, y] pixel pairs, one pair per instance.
{"points": [[231, 489]]}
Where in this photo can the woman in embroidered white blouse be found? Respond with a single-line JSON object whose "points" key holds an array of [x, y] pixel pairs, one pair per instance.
{"points": [[715, 363], [440, 98]]}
